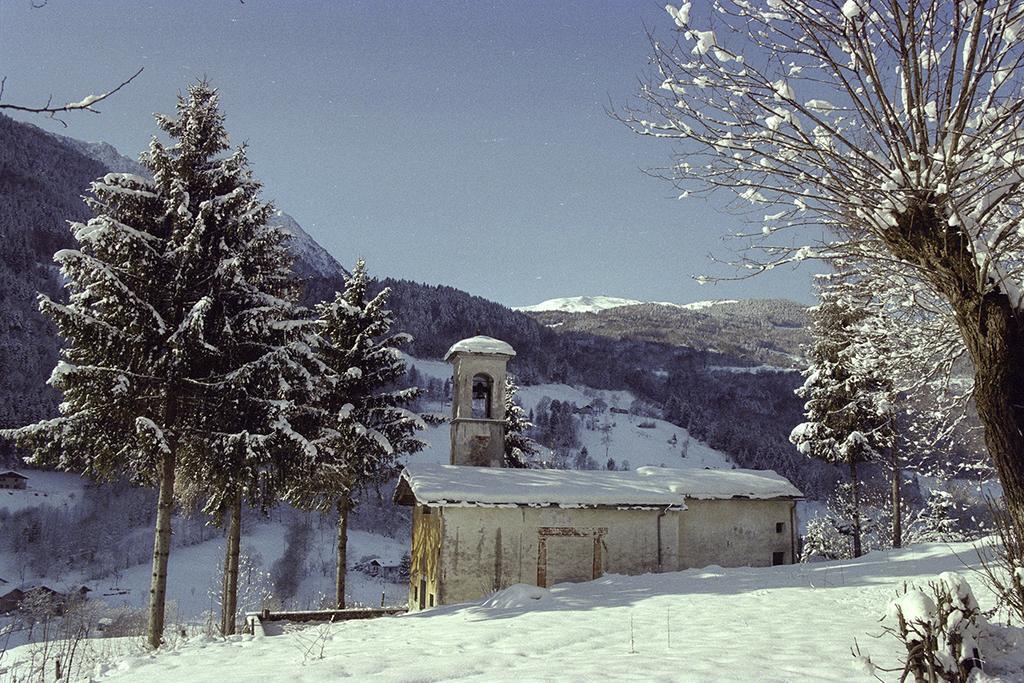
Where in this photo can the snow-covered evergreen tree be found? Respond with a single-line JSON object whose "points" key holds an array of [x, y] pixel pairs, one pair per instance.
{"points": [[171, 279], [938, 521], [519, 447], [847, 398], [363, 425], [244, 327]]}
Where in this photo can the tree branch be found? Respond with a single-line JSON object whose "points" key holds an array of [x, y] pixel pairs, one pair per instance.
{"points": [[86, 104]]}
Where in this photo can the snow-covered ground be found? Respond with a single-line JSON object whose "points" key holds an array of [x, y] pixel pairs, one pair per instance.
{"points": [[752, 370], [54, 489], [791, 623]]}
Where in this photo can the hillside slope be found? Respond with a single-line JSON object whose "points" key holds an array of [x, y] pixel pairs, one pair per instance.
{"points": [[759, 331]]}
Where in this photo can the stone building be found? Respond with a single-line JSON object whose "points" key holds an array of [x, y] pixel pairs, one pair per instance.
{"points": [[12, 480], [478, 527]]}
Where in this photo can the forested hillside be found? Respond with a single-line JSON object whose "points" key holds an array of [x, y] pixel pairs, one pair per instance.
{"points": [[41, 181], [768, 331]]}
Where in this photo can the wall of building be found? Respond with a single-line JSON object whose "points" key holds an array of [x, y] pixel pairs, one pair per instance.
{"points": [[487, 549], [465, 553], [735, 533], [424, 588], [478, 443], [466, 367]]}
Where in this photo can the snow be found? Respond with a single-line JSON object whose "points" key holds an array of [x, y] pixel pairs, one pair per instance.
{"points": [[438, 485], [851, 10], [680, 15], [751, 370], [784, 623], [53, 489], [517, 596], [481, 344], [701, 305], [596, 304], [579, 304]]}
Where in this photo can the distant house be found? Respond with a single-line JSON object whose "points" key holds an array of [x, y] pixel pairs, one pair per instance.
{"points": [[35, 598], [374, 566], [478, 527], [12, 480], [10, 601]]}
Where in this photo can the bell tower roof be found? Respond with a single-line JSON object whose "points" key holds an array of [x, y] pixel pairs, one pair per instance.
{"points": [[482, 345]]}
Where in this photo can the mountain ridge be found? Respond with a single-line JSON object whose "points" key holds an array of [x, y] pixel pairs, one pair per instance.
{"points": [[598, 303]]}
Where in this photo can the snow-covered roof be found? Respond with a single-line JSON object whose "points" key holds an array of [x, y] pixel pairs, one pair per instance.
{"points": [[481, 344], [11, 474], [452, 485]]}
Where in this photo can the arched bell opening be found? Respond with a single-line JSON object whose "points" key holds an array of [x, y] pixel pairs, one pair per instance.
{"points": [[483, 389]]}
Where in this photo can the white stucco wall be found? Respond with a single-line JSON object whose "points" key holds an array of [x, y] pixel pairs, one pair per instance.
{"points": [[735, 533], [486, 549]]}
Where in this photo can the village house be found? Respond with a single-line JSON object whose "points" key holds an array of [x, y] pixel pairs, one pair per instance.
{"points": [[12, 480], [478, 527], [40, 599]]}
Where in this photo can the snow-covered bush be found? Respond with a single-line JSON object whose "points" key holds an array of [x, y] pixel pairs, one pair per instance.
{"points": [[939, 627], [824, 542]]}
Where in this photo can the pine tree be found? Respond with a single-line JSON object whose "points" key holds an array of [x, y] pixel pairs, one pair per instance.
{"points": [[518, 446], [171, 279], [937, 522], [847, 409], [363, 426], [249, 333]]}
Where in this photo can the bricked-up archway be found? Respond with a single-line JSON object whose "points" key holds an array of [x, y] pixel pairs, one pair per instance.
{"points": [[545, 533]]}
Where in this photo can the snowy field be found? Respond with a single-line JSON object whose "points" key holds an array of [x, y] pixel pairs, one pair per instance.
{"points": [[54, 489], [792, 623]]}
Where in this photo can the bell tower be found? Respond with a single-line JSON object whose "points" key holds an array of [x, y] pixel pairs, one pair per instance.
{"points": [[478, 400]]}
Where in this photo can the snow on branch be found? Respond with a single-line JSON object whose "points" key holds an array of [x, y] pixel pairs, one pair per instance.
{"points": [[87, 103]]}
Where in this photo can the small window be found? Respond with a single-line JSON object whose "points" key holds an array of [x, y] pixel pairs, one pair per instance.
{"points": [[778, 558], [415, 593], [426, 509], [482, 389], [431, 600], [780, 527]]}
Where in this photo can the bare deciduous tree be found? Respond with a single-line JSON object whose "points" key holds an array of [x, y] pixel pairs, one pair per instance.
{"points": [[896, 125]]}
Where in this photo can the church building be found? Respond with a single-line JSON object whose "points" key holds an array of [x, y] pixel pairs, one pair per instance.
{"points": [[479, 527]]}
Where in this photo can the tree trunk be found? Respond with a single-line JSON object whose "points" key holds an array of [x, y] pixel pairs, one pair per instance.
{"points": [[994, 332], [162, 535], [856, 508], [344, 505], [229, 602], [991, 327], [897, 502]]}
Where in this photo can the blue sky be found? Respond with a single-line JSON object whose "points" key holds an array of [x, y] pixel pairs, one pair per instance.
{"points": [[459, 143]]}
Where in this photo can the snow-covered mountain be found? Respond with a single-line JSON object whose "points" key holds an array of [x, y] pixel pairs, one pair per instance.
{"points": [[595, 304]]}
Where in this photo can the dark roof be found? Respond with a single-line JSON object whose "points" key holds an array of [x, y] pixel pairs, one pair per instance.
{"points": [[12, 473]]}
